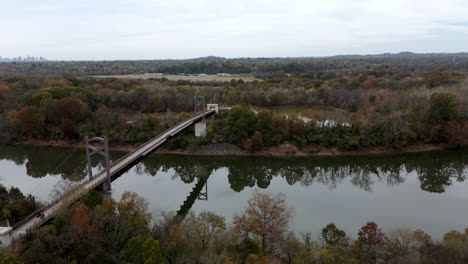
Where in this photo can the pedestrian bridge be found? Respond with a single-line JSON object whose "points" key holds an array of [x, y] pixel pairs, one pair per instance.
{"points": [[116, 168]]}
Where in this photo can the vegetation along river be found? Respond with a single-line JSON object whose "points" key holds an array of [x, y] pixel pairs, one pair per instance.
{"points": [[425, 191]]}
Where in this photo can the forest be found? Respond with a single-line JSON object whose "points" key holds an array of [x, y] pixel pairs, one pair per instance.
{"points": [[98, 230], [336, 110], [345, 103], [261, 67]]}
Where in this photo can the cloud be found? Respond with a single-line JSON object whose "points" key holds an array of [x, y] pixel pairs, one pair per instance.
{"points": [[145, 29]]}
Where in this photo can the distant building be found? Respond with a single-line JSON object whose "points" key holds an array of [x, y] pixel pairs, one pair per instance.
{"points": [[21, 59], [223, 74]]}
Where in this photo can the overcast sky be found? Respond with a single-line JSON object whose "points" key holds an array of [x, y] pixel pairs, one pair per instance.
{"points": [[160, 29]]}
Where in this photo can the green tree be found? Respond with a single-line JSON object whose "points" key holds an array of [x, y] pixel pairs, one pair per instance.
{"points": [[241, 124], [443, 108], [206, 225], [92, 199], [8, 258], [332, 235], [142, 250]]}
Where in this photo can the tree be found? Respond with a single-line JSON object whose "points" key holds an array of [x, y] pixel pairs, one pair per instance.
{"points": [[92, 199], [332, 235], [68, 128], [70, 108], [457, 241], [81, 219], [145, 250], [443, 108], [457, 133], [266, 217], [206, 225], [32, 120], [241, 124], [254, 143], [371, 235], [8, 258], [370, 243]]}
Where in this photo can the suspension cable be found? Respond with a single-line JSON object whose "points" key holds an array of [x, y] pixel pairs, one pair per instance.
{"points": [[63, 162]]}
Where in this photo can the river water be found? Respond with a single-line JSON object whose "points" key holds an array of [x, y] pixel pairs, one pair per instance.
{"points": [[417, 191]]}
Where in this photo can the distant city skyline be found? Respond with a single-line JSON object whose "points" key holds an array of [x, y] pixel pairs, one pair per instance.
{"points": [[182, 29], [26, 58]]}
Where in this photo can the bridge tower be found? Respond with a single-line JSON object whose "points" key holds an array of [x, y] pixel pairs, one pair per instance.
{"points": [[103, 150]]}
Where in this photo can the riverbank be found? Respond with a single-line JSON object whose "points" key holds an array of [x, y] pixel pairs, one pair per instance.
{"points": [[283, 150]]}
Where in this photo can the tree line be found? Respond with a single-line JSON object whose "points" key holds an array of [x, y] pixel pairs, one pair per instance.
{"points": [[98, 230], [384, 63], [364, 110]]}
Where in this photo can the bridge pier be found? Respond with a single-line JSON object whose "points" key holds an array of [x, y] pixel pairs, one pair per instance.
{"points": [[106, 188], [5, 238], [200, 129]]}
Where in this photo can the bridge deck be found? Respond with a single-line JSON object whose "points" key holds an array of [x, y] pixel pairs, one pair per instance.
{"points": [[43, 215]]}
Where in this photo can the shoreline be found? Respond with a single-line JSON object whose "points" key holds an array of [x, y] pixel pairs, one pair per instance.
{"points": [[227, 149]]}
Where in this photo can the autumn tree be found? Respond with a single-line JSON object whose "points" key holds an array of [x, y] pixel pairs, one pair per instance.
{"points": [[81, 219], [254, 143], [457, 133], [69, 128], [266, 216], [70, 108], [32, 119], [370, 242]]}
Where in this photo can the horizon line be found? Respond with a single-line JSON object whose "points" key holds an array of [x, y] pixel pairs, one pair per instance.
{"points": [[233, 58]]}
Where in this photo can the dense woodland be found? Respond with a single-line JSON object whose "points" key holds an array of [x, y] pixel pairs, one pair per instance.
{"points": [[364, 109], [261, 67], [98, 230], [347, 103]]}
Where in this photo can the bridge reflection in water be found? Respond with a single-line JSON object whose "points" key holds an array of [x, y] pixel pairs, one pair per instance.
{"points": [[434, 171]]}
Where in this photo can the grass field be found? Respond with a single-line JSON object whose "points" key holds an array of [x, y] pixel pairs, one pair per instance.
{"points": [[246, 78]]}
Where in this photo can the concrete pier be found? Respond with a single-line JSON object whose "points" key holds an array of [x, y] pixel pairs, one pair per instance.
{"points": [[200, 129]]}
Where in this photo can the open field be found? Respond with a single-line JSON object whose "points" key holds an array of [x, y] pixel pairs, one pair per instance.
{"points": [[217, 78]]}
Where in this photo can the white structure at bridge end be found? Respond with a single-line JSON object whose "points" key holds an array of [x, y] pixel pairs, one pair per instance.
{"points": [[5, 237], [212, 106]]}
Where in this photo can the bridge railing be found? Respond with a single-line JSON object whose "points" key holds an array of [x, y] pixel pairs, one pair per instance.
{"points": [[76, 192], [156, 137], [71, 195]]}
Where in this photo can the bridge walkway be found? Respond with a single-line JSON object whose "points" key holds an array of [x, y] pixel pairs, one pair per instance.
{"points": [[118, 167]]}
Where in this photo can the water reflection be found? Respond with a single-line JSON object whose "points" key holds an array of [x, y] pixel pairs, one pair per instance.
{"points": [[42, 161], [435, 170]]}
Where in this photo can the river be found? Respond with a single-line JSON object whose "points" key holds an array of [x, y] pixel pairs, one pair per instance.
{"points": [[425, 191]]}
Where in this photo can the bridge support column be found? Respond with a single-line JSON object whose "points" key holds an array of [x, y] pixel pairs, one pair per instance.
{"points": [[5, 238], [200, 129]]}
